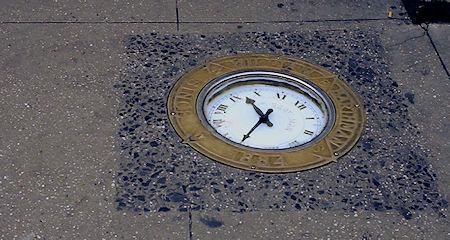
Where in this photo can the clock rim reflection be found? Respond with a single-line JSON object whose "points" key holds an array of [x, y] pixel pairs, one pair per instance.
{"points": [[235, 79]]}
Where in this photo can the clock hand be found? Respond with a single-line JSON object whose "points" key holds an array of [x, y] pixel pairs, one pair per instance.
{"points": [[252, 102], [251, 130], [262, 119], [260, 113]]}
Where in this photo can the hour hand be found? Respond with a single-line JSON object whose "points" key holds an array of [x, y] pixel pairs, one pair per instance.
{"points": [[263, 119], [260, 113], [252, 102]]}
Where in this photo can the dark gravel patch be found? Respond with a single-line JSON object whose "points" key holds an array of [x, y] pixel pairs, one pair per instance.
{"points": [[387, 170]]}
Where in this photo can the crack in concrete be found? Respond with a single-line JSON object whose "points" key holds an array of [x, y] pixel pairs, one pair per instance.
{"points": [[425, 28], [406, 40]]}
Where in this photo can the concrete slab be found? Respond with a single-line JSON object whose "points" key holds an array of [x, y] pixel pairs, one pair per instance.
{"points": [[61, 155], [286, 27], [440, 33], [315, 225], [88, 11], [58, 135], [285, 10], [423, 81]]}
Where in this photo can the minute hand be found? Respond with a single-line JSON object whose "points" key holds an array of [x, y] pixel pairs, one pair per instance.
{"points": [[263, 119], [253, 129]]}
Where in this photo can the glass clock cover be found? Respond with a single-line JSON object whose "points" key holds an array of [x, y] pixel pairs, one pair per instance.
{"points": [[266, 110]]}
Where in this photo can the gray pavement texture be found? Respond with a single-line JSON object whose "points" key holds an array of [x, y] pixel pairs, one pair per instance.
{"points": [[82, 91], [440, 35]]}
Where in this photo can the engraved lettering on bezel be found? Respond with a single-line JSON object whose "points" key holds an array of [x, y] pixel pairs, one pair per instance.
{"points": [[259, 160], [346, 130]]}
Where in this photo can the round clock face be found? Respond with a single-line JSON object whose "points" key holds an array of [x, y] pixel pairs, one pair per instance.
{"points": [[266, 110]]}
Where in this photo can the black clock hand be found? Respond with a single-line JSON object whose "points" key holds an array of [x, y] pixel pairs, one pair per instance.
{"points": [[251, 130], [252, 102], [262, 119], [260, 113]]}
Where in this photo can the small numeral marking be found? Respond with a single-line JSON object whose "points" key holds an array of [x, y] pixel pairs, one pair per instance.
{"points": [[310, 118], [234, 98], [218, 122], [294, 143], [221, 109], [301, 106], [281, 96], [307, 132]]}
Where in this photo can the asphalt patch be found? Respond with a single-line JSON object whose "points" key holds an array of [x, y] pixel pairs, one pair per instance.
{"points": [[387, 170]]}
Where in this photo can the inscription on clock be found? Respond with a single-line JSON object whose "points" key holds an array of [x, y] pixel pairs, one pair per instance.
{"points": [[259, 160]]}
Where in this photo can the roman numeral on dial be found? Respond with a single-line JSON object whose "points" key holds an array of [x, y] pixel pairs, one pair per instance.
{"points": [[281, 96], [307, 132], [300, 106], [235, 98], [218, 122], [221, 109], [294, 143]]}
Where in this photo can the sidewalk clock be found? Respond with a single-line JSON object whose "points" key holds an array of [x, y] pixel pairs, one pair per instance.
{"points": [[266, 113]]}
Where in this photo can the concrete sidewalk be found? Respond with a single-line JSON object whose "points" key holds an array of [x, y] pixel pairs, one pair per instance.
{"points": [[60, 145]]}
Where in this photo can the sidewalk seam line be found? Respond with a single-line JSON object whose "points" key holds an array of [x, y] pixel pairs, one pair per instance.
{"points": [[205, 22], [177, 14], [190, 222]]}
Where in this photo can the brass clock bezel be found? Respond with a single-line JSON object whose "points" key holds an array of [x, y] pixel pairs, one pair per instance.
{"points": [[347, 128]]}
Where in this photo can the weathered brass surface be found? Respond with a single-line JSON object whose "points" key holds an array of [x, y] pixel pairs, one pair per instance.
{"points": [[345, 133]]}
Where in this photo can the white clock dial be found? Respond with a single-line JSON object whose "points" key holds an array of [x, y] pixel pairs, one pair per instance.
{"points": [[266, 114]]}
